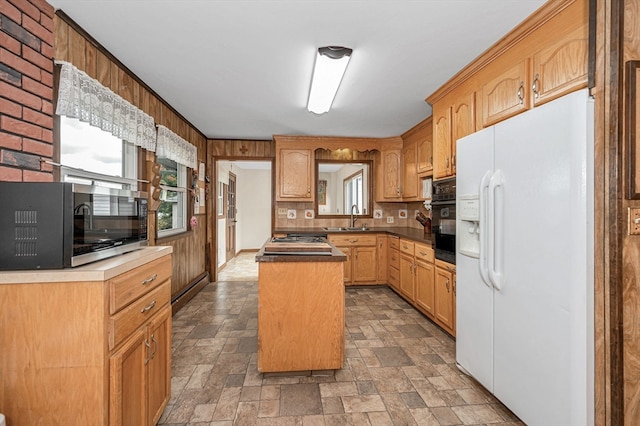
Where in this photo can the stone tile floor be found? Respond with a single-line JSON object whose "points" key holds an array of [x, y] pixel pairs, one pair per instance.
{"points": [[399, 369]]}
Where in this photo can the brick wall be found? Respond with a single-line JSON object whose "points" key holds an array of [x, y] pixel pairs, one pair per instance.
{"points": [[26, 90]]}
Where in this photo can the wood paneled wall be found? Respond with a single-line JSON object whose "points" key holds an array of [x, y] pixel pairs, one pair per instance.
{"points": [[74, 45], [630, 243]]}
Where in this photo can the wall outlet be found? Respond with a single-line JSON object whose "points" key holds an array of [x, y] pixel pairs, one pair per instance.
{"points": [[634, 221], [389, 219], [282, 211]]}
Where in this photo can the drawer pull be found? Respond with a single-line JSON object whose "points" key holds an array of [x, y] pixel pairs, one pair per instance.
{"points": [[353, 241], [423, 253], [148, 307], [155, 346], [150, 279]]}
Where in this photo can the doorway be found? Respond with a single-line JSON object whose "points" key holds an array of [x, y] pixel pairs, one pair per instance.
{"points": [[244, 203]]}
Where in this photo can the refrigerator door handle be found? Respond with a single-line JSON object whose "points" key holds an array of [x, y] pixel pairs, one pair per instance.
{"points": [[483, 228], [493, 248]]}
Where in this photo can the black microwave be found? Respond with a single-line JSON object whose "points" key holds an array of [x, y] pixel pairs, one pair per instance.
{"points": [[52, 225]]}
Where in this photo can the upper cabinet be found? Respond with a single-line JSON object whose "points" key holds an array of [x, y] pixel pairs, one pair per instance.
{"points": [[295, 174], [416, 159], [542, 59], [389, 174], [451, 121]]}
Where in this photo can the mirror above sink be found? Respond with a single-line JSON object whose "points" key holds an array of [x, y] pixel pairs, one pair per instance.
{"points": [[343, 187]]}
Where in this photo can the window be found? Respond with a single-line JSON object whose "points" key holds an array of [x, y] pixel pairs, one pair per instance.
{"points": [[353, 193], [94, 157], [172, 212]]}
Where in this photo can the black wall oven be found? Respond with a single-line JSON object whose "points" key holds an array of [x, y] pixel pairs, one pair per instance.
{"points": [[443, 224], [49, 225]]}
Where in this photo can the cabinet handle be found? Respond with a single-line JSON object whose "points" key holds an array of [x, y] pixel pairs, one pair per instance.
{"points": [[148, 307], [308, 190], [454, 286], [155, 346], [150, 279], [423, 253], [521, 92], [146, 343], [534, 86], [446, 162], [447, 285], [353, 241], [453, 160]]}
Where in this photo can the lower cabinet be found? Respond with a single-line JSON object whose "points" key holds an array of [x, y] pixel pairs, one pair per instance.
{"points": [[425, 282], [362, 257], [140, 374], [445, 296], [87, 346]]}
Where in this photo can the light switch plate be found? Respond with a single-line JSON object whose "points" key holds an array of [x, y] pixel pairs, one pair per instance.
{"points": [[634, 221], [389, 219], [282, 211]]}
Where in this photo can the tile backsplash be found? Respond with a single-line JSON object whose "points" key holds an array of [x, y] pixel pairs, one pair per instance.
{"points": [[300, 215]]}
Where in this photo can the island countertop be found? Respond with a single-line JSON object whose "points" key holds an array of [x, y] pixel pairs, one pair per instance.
{"points": [[333, 254], [414, 234]]}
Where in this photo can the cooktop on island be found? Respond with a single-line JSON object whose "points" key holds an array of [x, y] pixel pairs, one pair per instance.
{"points": [[298, 245]]}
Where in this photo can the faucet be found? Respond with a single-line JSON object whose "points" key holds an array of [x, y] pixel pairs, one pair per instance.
{"points": [[353, 218]]}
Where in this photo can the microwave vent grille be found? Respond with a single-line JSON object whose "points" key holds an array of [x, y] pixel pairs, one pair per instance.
{"points": [[26, 233]]}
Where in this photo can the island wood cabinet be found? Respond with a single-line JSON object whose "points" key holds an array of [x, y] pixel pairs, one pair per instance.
{"points": [[94, 350], [295, 175], [445, 296], [362, 256]]}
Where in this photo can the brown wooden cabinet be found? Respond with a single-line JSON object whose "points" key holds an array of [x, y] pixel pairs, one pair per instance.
{"points": [[389, 175], [424, 273], [295, 175], [451, 122], [410, 181], [115, 319], [394, 263], [362, 257], [445, 299], [407, 270], [382, 262], [425, 149], [506, 94]]}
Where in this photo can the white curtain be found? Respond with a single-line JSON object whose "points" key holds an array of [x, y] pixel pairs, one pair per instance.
{"points": [[82, 97], [175, 148]]}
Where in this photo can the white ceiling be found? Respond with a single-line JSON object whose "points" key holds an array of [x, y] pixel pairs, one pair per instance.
{"points": [[240, 69]]}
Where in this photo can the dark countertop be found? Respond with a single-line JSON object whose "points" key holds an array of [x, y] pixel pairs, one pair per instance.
{"points": [[412, 234], [336, 256]]}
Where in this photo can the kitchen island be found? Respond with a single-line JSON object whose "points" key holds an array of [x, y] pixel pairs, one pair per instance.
{"points": [[300, 305]]}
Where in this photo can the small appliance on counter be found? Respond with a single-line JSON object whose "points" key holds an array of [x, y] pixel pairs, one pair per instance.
{"points": [[53, 225]]}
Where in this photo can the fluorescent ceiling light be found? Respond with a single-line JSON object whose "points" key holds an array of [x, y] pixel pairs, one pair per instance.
{"points": [[331, 63]]}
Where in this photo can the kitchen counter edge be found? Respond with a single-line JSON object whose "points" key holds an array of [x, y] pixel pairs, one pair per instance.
{"points": [[97, 271], [413, 234]]}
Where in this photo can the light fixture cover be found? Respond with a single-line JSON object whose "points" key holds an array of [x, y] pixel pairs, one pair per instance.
{"points": [[331, 63]]}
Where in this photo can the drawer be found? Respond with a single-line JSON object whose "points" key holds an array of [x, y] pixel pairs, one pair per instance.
{"points": [[394, 277], [424, 252], [445, 265], [346, 240], [406, 247], [125, 322], [394, 243], [127, 287], [394, 259]]}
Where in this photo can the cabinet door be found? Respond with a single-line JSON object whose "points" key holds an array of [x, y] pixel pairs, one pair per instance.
{"points": [[295, 175], [347, 263], [561, 67], [444, 299], [391, 163], [425, 155], [382, 242], [159, 364], [364, 264], [463, 123], [410, 172], [425, 288], [407, 282], [507, 94], [441, 142], [127, 382]]}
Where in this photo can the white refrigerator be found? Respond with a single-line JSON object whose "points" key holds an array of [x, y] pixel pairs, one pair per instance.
{"points": [[524, 261]]}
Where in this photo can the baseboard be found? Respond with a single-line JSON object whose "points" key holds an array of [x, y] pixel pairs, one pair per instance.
{"points": [[189, 292]]}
